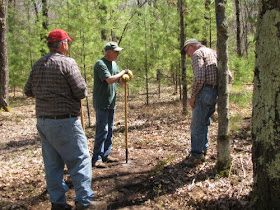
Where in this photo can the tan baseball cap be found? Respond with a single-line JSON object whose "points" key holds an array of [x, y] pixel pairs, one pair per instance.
{"points": [[189, 41]]}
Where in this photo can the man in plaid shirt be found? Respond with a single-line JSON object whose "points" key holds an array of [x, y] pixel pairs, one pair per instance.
{"points": [[203, 98], [57, 85]]}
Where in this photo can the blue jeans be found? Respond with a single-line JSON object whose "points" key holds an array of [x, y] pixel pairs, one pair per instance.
{"points": [[103, 134], [64, 142], [204, 107]]}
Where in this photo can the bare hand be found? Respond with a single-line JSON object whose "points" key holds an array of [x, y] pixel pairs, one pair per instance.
{"points": [[192, 102]]}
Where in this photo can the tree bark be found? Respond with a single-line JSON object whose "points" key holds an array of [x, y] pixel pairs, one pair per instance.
{"points": [[146, 63], [103, 21], [4, 73], [183, 56], [45, 24], [238, 27], [45, 13], [207, 20], [266, 109], [223, 143], [36, 11]]}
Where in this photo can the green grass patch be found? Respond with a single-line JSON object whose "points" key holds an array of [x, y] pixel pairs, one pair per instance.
{"points": [[18, 101], [243, 68], [241, 96], [235, 122]]}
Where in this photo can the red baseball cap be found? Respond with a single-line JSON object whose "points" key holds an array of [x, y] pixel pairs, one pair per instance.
{"points": [[57, 35]]}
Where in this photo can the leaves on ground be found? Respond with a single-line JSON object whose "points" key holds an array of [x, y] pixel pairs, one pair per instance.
{"points": [[154, 177]]}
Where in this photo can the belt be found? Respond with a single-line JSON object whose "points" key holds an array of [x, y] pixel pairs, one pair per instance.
{"points": [[58, 117], [211, 86]]}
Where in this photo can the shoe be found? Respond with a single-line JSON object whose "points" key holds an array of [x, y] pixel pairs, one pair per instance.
{"points": [[109, 160], [193, 161], [205, 152], [99, 164], [99, 205], [56, 206]]}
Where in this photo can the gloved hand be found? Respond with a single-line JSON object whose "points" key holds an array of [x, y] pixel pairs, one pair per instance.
{"points": [[125, 77], [128, 75]]}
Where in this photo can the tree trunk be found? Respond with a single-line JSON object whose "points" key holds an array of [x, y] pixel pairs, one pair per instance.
{"points": [[207, 20], [103, 21], [146, 63], [45, 24], [238, 26], [180, 80], [266, 109], [85, 76], [223, 143], [4, 73], [36, 11], [45, 13], [158, 79], [183, 55]]}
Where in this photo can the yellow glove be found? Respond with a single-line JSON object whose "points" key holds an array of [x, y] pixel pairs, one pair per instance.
{"points": [[130, 74], [125, 77]]}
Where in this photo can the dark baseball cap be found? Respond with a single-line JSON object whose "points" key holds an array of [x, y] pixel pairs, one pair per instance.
{"points": [[58, 35], [112, 46]]}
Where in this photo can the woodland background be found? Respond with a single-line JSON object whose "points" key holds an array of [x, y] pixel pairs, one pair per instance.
{"points": [[150, 33]]}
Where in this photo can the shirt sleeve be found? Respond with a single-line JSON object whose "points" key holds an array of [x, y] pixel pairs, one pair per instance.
{"points": [[198, 72], [76, 81], [102, 71], [28, 87]]}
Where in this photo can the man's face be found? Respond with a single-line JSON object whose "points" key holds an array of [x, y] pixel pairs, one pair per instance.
{"points": [[65, 47], [115, 55], [188, 50]]}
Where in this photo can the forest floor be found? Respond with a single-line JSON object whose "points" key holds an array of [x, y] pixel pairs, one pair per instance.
{"points": [[154, 177]]}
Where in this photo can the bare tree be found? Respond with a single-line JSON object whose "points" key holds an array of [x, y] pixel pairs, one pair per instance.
{"points": [[103, 21], [45, 13], [183, 55], [4, 73], [146, 63], [238, 26], [208, 23], [223, 146], [266, 109], [45, 23]]}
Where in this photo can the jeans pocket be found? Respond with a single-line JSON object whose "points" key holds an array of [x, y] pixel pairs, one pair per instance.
{"points": [[60, 132], [209, 99]]}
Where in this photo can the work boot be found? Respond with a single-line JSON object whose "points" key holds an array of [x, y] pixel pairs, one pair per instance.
{"points": [[99, 164], [99, 205], [109, 160], [193, 161], [56, 206]]}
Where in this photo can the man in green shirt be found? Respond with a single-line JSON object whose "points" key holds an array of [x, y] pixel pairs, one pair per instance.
{"points": [[106, 76]]}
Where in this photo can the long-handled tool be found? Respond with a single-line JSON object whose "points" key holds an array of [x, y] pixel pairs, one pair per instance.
{"points": [[82, 116], [125, 116]]}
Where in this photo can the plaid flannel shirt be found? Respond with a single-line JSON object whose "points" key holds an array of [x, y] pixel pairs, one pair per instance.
{"points": [[204, 65], [57, 84]]}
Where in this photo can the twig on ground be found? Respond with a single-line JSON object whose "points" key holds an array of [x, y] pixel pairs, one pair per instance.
{"points": [[190, 187], [229, 173], [244, 172]]}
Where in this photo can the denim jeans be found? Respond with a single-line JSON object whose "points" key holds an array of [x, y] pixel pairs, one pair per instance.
{"points": [[204, 108], [103, 134], [64, 142]]}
